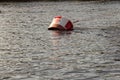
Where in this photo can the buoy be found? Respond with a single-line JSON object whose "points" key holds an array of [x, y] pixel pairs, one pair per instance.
{"points": [[60, 23]]}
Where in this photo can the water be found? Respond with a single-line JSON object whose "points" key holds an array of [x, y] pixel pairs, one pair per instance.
{"points": [[28, 51]]}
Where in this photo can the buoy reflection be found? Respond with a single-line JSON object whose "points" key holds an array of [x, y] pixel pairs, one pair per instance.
{"points": [[58, 38]]}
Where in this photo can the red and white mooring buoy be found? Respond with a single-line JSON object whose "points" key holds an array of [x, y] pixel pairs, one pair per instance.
{"points": [[61, 23]]}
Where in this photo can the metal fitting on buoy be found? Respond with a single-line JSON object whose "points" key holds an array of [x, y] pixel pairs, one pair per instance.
{"points": [[60, 23]]}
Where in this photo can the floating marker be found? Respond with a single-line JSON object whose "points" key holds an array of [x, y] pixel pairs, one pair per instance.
{"points": [[61, 23]]}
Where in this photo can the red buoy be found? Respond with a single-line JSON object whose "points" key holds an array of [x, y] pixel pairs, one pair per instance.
{"points": [[61, 23]]}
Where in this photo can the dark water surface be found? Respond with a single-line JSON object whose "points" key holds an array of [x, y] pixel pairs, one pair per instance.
{"points": [[28, 51]]}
